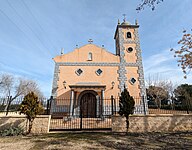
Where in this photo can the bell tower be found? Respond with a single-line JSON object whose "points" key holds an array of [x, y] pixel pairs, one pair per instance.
{"points": [[130, 72]]}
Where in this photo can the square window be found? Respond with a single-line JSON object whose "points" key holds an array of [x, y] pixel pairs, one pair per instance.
{"points": [[79, 72], [99, 72], [132, 80]]}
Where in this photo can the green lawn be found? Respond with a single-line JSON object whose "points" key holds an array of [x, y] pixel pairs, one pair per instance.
{"points": [[91, 140]]}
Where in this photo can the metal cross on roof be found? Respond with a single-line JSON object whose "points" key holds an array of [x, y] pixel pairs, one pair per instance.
{"points": [[124, 17], [90, 41]]}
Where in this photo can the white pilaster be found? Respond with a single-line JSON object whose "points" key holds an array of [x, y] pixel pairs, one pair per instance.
{"points": [[71, 103]]}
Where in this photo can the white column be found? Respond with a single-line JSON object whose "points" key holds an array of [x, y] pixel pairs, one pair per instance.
{"points": [[71, 103]]}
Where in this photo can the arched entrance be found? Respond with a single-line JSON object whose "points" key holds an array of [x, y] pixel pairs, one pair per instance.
{"points": [[88, 104], [87, 111]]}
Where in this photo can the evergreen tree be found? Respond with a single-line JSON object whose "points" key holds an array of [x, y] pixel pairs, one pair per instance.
{"points": [[183, 94], [31, 107], [126, 104]]}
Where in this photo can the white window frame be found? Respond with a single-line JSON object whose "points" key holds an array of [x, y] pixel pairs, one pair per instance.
{"points": [[98, 73], [128, 50], [78, 73], [90, 56], [131, 81]]}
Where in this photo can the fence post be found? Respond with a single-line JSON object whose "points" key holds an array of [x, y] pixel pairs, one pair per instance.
{"points": [[81, 116], [115, 106], [49, 105], [8, 104], [187, 106], [112, 104], [144, 109]]}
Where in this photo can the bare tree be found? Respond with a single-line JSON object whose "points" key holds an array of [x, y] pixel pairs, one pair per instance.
{"points": [[159, 81], [183, 94], [157, 94], [12, 88], [159, 89]]}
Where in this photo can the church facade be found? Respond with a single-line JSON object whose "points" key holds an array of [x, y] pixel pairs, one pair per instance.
{"points": [[91, 72]]}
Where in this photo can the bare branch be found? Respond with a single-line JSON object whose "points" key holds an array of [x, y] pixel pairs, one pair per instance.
{"points": [[159, 88], [184, 53], [149, 3], [7, 84]]}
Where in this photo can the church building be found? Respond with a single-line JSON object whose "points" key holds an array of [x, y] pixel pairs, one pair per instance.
{"points": [[91, 73]]}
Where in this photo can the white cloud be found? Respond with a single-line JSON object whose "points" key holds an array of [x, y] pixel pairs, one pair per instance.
{"points": [[166, 67], [157, 60]]}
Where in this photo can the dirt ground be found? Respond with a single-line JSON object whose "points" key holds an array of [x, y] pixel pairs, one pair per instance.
{"points": [[102, 140]]}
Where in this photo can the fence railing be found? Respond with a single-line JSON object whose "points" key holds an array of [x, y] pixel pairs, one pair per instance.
{"points": [[142, 106], [12, 107], [107, 106]]}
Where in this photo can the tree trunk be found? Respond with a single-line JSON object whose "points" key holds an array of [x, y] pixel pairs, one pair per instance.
{"points": [[7, 107], [158, 103], [30, 125], [127, 123]]}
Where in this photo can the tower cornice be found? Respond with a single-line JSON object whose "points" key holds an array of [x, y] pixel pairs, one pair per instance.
{"points": [[124, 26]]}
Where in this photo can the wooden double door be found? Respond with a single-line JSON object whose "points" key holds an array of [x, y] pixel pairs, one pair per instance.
{"points": [[88, 105]]}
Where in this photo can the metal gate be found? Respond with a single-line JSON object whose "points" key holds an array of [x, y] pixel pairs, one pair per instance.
{"points": [[89, 113]]}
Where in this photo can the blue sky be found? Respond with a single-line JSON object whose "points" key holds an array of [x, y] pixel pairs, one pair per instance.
{"points": [[32, 32]]}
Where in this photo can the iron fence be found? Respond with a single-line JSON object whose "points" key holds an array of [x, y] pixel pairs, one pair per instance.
{"points": [[82, 114], [170, 109], [93, 113], [12, 107], [61, 107], [90, 113]]}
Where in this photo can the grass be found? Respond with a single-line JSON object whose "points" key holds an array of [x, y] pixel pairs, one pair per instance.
{"points": [[104, 140]]}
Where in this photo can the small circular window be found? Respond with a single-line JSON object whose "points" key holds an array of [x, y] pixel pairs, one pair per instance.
{"points": [[130, 49]]}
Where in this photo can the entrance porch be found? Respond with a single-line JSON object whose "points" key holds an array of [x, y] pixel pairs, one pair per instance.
{"points": [[87, 100]]}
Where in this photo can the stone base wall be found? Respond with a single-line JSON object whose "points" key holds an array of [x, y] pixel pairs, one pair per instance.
{"points": [[40, 124], [153, 123]]}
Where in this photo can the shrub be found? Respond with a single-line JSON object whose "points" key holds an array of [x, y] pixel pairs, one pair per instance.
{"points": [[31, 107], [12, 131], [126, 104]]}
